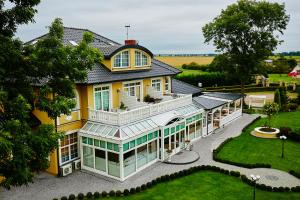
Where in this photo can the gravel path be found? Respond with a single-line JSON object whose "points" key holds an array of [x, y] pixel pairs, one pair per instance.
{"points": [[46, 186]]}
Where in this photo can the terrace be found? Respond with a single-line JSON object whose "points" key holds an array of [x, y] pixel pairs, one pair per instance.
{"points": [[140, 110]]}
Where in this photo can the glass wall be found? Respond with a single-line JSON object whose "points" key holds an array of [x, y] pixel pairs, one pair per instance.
{"points": [[129, 163], [88, 157], [141, 156], [152, 150], [113, 164], [100, 160]]}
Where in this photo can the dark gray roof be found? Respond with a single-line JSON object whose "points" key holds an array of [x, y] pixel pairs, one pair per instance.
{"points": [[99, 73], [221, 95], [180, 87], [206, 103]]}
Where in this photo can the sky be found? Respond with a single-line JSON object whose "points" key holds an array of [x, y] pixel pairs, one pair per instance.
{"points": [[163, 26]]}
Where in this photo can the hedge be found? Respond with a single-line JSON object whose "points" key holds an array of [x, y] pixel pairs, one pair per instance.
{"points": [[289, 133], [189, 171], [294, 173]]}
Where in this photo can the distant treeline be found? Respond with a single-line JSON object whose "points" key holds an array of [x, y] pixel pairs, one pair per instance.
{"points": [[291, 53]]}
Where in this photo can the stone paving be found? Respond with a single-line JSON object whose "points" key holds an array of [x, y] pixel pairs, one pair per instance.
{"points": [[46, 186]]}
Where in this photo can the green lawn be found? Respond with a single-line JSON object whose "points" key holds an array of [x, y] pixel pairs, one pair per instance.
{"points": [[189, 71], [249, 149], [275, 78], [206, 185]]}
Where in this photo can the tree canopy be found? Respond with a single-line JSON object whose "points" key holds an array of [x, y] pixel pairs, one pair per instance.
{"points": [[247, 32], [40, 76]]}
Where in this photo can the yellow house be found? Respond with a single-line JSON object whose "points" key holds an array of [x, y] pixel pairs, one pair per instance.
{"points": [[130, 113]]}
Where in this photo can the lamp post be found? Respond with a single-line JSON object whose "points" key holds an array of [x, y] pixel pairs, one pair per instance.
{"points": [[254, 178], [282, 138]]}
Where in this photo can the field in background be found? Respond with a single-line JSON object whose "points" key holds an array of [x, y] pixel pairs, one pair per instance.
{"points": [[275, 78], [180, 60]]}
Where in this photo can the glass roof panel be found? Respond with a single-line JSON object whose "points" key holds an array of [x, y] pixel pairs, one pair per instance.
{"points": [[127, 131], [112, 132], [106, 130], [140, 127], [100, 128], [94, 127], [146, 124], [152, 124], [134, 129], [87, 126]]}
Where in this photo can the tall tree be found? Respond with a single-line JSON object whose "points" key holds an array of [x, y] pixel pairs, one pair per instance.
{"points": [[54, 68], [246, 33]]}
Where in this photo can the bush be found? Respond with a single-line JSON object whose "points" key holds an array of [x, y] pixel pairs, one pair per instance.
{"points": [[89, 195], [55, 199], [118, 193], [292, 106], [104, 194], [132, 191], [296, 174], [235, 173], [138, 189], [295, 189], [64, 198], [149, 184], [143, 187], [96, 194], [80, 196], [289, 133], [112, 193], [72, 197], [126, 192]]}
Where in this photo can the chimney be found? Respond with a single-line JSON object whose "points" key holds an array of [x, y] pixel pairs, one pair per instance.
{"points": [[131, 42]]}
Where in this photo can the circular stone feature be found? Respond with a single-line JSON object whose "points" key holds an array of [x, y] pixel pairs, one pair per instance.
{"points": [[264, 132], [272, 177]]}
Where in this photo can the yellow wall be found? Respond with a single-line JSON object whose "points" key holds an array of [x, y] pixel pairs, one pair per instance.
{"points": [[177, 61], [53, 167], [109, 63]]}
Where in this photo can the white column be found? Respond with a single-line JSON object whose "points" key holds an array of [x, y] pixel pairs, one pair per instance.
{"points": [[162, 151], [121, 157]]}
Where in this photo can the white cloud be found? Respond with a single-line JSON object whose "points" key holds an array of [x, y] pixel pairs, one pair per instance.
{"points": [[164, 26]]}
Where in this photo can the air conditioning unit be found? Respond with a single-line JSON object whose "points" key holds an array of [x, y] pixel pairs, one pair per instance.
{"points": [[66, 170], [77, 164]]}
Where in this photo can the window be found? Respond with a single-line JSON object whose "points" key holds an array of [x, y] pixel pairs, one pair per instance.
{"points": [[133, 89], [88, 157], [69, 148], [121, 60], [156, 84], [167, 84], [76, 99], [101, 97], [141, 59]]}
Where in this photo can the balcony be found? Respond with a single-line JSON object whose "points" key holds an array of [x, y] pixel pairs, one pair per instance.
{"points": [[144, 110]]}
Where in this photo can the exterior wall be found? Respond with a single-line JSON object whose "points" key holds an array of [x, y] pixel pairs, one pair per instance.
{"points": [[53, 166], [109, 62], [116, 86]]}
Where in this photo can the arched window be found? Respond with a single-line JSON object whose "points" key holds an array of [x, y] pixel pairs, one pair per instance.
{"points": [[141, 59], [76, 98], [121, 60]]}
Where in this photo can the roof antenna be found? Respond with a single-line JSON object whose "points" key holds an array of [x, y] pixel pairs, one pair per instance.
{"points": [[127, 28]]}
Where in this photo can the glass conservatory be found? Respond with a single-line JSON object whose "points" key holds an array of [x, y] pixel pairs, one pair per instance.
{"points": [[120, 152]]}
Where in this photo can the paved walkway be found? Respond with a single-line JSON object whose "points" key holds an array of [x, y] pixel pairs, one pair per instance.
{"points": [[46, 186]]}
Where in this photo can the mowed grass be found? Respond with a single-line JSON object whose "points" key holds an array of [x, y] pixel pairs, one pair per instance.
{"points": [[206, 185], [189, 71], [249, 149], [275, 78]]}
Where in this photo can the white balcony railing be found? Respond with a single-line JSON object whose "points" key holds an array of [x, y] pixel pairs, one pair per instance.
{"points": [[124, 117]]}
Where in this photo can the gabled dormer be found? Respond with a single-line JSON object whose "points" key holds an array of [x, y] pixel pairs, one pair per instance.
{"points": [[130, 56]]}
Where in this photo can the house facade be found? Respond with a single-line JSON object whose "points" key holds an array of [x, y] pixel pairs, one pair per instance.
{"points": [[131, 113]]}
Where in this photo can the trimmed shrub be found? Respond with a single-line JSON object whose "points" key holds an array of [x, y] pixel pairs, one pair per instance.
{"points": [[96, 195], [126, 192], [235, 173], [149, 184], [296, 174], [104, 194], [143, 187], [138, 189], [132, 191], [112, 193], [80, 196], [118, 193], [72, 197], [295, 189], [154, 182], [64, 198], [55, 199], [89, 195]]}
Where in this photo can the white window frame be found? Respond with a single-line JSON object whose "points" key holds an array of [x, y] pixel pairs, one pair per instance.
{"points": [[135, 81], [167, 84], [69, 147], [109, 91], [141, 59], [160, 81], [77, 99], [121, 57]]}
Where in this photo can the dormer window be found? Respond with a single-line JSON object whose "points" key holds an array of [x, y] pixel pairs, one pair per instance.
{"points": [[141, 59], [121, 60]]}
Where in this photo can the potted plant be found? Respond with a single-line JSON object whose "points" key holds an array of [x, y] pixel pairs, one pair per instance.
{"points": [[122, 106]]}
